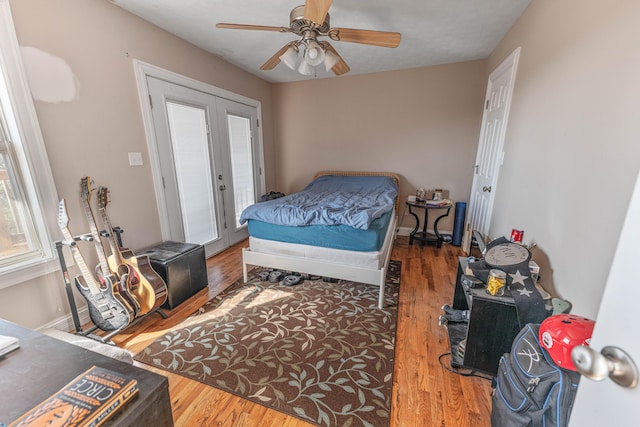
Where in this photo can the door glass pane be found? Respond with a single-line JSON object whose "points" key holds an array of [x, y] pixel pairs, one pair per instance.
{"points": [[191, 156], [241, 163]]}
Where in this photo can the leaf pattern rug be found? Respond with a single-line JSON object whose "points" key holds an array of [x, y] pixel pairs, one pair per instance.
{"points": [[319, 351]]}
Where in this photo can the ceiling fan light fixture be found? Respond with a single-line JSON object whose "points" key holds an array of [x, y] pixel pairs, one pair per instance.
{"points": [[314, 53], [330, 59], [306, 69], [310, 21], [290, 57]]}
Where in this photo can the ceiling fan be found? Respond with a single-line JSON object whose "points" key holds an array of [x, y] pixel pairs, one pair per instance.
{"points": [[311, 21]]}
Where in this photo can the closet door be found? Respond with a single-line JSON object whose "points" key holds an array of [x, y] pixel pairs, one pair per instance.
{"points": [[197, 157]]}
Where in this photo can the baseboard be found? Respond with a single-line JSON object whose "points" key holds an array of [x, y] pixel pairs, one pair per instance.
{"points": [[405, 231], [65, 323]]}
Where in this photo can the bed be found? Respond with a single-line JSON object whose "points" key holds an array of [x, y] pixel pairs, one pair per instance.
{"points": [[357, 250]]}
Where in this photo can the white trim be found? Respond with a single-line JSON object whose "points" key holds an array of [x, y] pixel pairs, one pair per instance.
{"points": [[35, 153], [142, 71], [65, 323], [406, 231]]}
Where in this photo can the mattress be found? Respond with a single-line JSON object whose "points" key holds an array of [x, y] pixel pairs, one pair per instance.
{"points": [[366, 259], [326, 236]]}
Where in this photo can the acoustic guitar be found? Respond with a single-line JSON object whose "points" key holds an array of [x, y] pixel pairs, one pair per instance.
{"points": [[121, 283], [106, 312], [147, 285]]}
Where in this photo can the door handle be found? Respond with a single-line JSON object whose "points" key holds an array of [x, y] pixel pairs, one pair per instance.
{"points": [[611, 362], [222, 187], [486, 189]]}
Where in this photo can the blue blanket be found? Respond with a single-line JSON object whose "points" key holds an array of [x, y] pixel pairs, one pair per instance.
{"points": [[330, 200]]}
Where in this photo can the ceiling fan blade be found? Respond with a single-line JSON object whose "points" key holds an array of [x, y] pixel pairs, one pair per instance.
{"points": [[275, 59], [253, 27], [316, 10], [376, 38], [341, 67]]}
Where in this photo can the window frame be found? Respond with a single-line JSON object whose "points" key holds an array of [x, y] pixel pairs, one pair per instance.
{"points": [[32, 156]]}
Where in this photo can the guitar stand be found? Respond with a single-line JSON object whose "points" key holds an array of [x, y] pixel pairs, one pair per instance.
{"points": [[79, 330]]}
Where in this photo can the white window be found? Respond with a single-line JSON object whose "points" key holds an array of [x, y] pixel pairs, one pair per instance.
{"points": [[27, 191]]}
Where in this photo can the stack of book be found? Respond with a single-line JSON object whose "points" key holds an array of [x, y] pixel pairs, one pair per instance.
{"points": [[87, 401], [439, 202]]}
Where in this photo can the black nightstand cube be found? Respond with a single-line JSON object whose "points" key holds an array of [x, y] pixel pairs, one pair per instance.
{"points": [[182, 266]]}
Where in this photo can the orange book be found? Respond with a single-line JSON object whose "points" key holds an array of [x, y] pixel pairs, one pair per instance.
{"points": [[87, 401]]}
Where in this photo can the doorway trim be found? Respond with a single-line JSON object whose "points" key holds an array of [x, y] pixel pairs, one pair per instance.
{"points": [[143, 70]]}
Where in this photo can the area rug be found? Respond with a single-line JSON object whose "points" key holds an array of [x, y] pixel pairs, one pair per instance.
{"points": [[320, 350]]}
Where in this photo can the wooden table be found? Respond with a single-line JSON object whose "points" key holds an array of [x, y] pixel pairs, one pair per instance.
{"points": [[424, 236], [43, 365]]}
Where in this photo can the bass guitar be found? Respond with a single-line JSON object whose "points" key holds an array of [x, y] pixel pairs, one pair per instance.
{"points": [[106, 312], [121, 283], [147, 285]]}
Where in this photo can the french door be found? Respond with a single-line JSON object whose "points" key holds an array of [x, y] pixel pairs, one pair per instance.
{"points": [[208, 163]]}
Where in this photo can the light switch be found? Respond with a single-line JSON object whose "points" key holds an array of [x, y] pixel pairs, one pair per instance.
{"points": [[135, 159]]}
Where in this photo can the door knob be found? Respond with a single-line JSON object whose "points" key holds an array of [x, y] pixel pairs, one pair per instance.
{"points": [[222, 187], [611, 362], [486, 189]]}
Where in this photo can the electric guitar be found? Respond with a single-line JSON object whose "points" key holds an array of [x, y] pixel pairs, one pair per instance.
{"points": [[106, 312], [120, 283], [147, 285]]}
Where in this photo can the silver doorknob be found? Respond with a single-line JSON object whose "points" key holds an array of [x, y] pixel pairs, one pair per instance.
{"points": [[486, 189], [611, 362]]}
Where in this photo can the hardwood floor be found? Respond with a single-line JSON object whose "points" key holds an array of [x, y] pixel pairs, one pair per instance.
{"points": [[424, 392]]}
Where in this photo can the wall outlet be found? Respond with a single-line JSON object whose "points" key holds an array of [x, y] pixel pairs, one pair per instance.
{"points": [[135, 159]]}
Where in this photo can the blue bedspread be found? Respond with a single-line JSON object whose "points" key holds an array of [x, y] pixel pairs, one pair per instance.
{"points": [[330, 200]]}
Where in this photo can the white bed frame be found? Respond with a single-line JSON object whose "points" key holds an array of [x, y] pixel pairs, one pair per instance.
{"points": [[302, 264]]}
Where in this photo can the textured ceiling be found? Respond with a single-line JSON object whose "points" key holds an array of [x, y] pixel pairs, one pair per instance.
{"points": [[433, 31]]}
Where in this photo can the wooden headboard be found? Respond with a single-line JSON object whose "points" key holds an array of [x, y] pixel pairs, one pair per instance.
{"points": [[391, 175]]}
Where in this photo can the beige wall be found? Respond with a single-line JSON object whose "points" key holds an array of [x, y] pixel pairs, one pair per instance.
{"points": [[92, 133], [572, 151], [421, 123]]}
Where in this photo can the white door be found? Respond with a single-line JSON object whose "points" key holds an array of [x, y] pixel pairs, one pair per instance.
{"points": [[202, 143], [236, 124], [606, 403], [490, 147]]}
